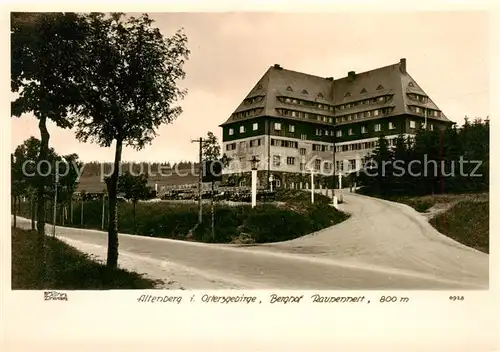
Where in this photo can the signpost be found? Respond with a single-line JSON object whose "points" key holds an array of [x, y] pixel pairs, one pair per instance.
{"points": [[254, 161], [312, 186]]}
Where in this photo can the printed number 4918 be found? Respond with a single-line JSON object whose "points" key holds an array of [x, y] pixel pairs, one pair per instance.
{"points": [[456, 298]]}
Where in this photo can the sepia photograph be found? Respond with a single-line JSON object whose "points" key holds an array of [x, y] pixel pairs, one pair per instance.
{"points": [[249, 151]]}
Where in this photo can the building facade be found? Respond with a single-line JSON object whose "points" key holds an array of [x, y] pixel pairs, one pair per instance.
{"points": [[295, 123]]}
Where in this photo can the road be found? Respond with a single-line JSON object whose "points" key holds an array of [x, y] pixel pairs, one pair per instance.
{"points": [[383, 245]]}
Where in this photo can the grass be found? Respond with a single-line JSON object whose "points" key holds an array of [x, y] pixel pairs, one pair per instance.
{"points": [[66, 268], [464, 217], [466, 222]]}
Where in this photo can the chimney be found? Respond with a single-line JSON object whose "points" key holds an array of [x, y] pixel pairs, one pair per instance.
{"points": [[329, 78], [350, 76], [402, 65], [277, 66]]}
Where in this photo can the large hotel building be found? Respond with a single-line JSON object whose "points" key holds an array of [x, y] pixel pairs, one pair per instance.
{"points": [[294, 122]]}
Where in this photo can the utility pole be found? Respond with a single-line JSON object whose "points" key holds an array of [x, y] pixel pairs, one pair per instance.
{"points": [[200, 178]]}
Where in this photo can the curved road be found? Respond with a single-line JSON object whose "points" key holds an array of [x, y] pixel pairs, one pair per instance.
{"points": [[383, 245]]}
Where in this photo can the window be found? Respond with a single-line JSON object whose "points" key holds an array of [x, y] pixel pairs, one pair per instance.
{"points": [[318, 132], [242, 145], [255, 142], [412, 124], [351, 132], [276, 160], [242, 162], [290, 160], [231, 131], [330, 120], [304, 91], [291, 128], [317, 164], [347, 95], [326, 132], [302, 151], [339, 133], [352, 164], [242, 129], [378, 127], [289, 89], [375, 112], [320, 95], [363, 91], [411, 84], [363, 129], [431, 127], [340, 165], [417, 109], [380, 87], [231, 146], [392, 126], [303, 136], [255, 126], [277, 126]]}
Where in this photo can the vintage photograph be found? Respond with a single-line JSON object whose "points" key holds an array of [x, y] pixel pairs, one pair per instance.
{"points": [[186, 151]]}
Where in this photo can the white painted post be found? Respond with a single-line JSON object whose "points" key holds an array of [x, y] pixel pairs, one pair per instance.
{"points": [[254, 188], [312, 186], [340, 187]]}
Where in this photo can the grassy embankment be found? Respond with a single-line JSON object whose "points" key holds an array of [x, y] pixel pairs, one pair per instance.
{"points": [[66, 268], [290, 217], [462, 217]]}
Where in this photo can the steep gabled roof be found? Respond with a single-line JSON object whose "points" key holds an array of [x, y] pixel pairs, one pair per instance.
{"points": [[277, 82]]}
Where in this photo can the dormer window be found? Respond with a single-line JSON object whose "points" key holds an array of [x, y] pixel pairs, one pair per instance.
{"points": [[347, 95], [380, 87], [363, 91], [259, 87], [289, 89], [411, 84], [320, 95], [304, 91]]}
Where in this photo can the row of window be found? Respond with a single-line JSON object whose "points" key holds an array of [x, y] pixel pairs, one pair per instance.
{"points": [[418, 97], [423, 111], [253, 100], [381, 99], [304, 115], [307, 103], [255, 127], [257, 142], [329, 132], [362, 114], [284, 143], [247, 113]]}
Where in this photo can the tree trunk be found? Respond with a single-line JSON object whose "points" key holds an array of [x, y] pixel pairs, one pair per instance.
{"points": [[14, 210], [81, 214], [213, 212], [133, 213], [112, 259], [71, 210], [33, 212], [40, 199]]}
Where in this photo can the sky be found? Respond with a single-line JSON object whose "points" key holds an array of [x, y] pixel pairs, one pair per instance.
{"points": [[447, 54]]}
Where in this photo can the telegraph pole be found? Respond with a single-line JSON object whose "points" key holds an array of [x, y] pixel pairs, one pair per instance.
{"points": [[200, 168]]}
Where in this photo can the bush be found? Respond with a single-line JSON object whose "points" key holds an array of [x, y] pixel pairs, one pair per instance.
{"points": [[264, 223]]}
